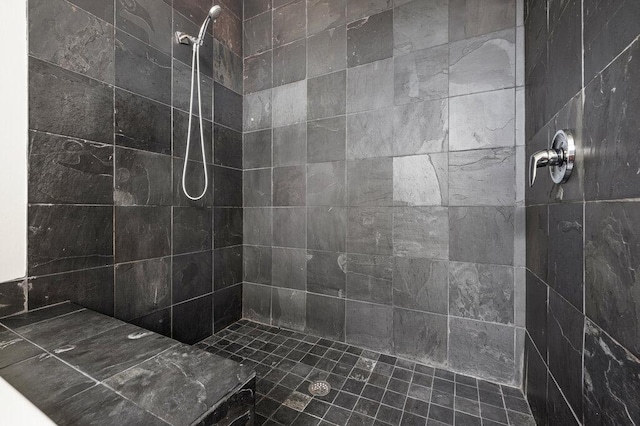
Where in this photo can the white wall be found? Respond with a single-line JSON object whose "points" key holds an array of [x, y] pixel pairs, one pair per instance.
{"points": [[13, 140]]}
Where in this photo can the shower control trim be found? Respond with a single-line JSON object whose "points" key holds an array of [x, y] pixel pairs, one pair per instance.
{"points": [[560, 158]]}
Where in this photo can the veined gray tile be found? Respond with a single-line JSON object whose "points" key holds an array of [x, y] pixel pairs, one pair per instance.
{"points": [[326, 140], [370, 134], [289, 227], [257, 34], [422, 75], [227, 67], [327, 51], [147, 21], [142, 178], [258, 72], [289, 145], [257, 111], [289, 308], [326, 184], [290, 63], [326, 228], [482, 349], [289, 186], [482, 177], [370, 39], [290, 104], [482, 120], [357, 9], [369, 325], [324, 14], [470, 18], [420, 284], [256, 302], [420, 336], [481, 234], [369, 278], [257, 226], [421, 128], [256, 149], [421, 232], [289, 268], [421, 180], [370, 182], [326, 95], [257, 264], [289, 22], [369, 230], [420, 24], [370, 86], [326, 272], [257, 187], [482, 63], [482, 292]]}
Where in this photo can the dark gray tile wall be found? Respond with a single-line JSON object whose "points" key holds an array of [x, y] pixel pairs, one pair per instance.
{"points": [[583, 299], [109, 227], [381, 204]]}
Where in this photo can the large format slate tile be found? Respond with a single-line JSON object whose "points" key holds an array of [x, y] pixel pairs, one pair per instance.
{"points": [[257, 187], [289, 268], [326, 228], [14, 348], [192, 229], [289, 22], [256, 302], [289, 227], [147, 21], [327, 52], [369, 325], [258, 72], [141, 123], [290, 63], [65, 238], [71, 38], [326, 273], [420, 24], [289, 148], [326, 184], [420, 284], [256, 149], [369, 230], [420, 336], [257, 34], [357, 9], [142, 178], [421, 128], [421, 232], [142, 232], [326, 95], [35, 316], [192, 275], [324, 14], [369, 278], [290, 104], [257, 264], [370, 134], [470, 18], [361, 80], [227, 267], [421, 180], [227, 67], [179, 384], [370, 182], [288, 308], [370, 39], [14, 297], [66, 103], [258, 226], [289, 186], [227, 227], [227, 106], [326, 316], [192, 321], [68, 170], [103, 10], [421, 75]]}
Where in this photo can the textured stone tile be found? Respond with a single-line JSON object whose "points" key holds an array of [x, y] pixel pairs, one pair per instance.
{"points": [[289, 268], [256, 149], [227, 147], [72, 38], [369, 278], [227, 267], [326, 228], [420, 284], [181, 91], [610, 388], [142, 287], [289, 227], [470, 18], [290, 104], [255, 7], [100, 9], [289, 308], [227, 106], [369, 325], [227, 309], [421, 128], [481, 234], [257, 226], [227, 227], [482, 349], [420, 336], [192, 276], [258, 72], [256, 302], [421, 180], [483, 120], [327, 51], [257, 264], [482, 63], [361, 79], [146, 21], [324, 14], [289, 186], [257, 34], [420, 24], [289, 22], [421, 75], [482, 292], [326, 95], [370, 182], [257, 111], [13, 299], [289, 145], [369, 230], [370, 134], [326, 273], [357, 9], [290, 63], [482, 177], [326, 140], [370, 39], [142, 178], [227, 67], [180, 130], [226, 187], [257, 188], [326, 184], [421, 232], [611, 256], [228, 28], [325, 316]]}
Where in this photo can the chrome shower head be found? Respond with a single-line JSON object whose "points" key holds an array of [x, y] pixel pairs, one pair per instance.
{"points": [[214, 12]]}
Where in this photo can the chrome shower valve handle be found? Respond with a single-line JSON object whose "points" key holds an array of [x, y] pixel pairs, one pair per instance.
{"points": [[559, 158]]}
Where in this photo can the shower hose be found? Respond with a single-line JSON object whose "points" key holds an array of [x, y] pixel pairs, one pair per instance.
{"points": [[195, 76]]}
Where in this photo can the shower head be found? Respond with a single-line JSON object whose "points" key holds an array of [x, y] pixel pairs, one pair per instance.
{"points": [[214, 12]]}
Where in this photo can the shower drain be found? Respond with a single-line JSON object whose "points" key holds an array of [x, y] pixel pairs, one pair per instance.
{"points": [[319, 388]]}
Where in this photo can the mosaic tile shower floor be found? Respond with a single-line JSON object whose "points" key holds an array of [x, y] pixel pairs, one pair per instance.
{"points": [[368, 388]]}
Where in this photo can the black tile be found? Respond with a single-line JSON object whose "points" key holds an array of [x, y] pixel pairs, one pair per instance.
{"points": [[142, 232], [227, 306], [442, 414], [536, 292], [68, 170], [409, 419], [181, 90], [142, 287], [142, 178], [64, 238], [537, 240], [227, 109], [492, 398], [142, 69], [227, 67], [33, 317], [103, 10], [227, 227], [389, 415], [228, 29], [227, 147], [464, 419], [324, 274], [535, 382], [346, 400], [192, 276], [443, 399], [325, 316], [227, 187], [289, 63], [193, 320], [192, 229], [257, 34], [393, 399], [337, 415], [227, 267], [180, 129], [158, 322], [141, 123], [366, 407], [398, 386]]}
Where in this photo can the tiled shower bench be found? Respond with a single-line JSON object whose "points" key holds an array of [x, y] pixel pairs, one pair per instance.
{"points": [[81, 367]]}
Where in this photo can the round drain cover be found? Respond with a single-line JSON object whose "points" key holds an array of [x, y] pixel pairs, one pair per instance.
{"points": [[319, 388]]}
